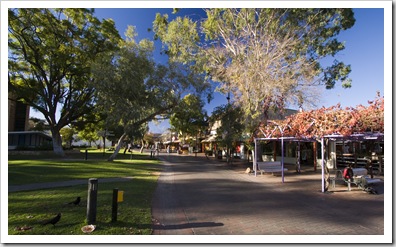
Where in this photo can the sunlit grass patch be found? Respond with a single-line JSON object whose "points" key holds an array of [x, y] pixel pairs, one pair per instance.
{"points": [[38, 171], [27, 210]]}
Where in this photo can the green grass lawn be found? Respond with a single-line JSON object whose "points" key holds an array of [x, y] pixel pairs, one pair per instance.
{"points": [[30, 208]]}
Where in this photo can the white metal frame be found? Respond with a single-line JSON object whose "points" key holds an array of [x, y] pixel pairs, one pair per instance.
{"points": [[359, 136]]}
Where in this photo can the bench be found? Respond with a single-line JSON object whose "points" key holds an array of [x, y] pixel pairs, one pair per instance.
{"points": [[366, 180], [361, 179], [337, 177], [270, 166]]}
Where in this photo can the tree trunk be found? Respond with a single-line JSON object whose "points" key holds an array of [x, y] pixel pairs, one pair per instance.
{"points": [[259, 152], [57, 142], [326, 169], [117, 150], [315, 156], [141, 149], [327, 178]]}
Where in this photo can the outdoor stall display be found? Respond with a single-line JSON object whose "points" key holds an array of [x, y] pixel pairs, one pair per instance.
{"points": [[324, 125]]}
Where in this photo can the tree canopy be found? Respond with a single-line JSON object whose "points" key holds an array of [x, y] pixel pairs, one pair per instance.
{"points": [[264, 57], [231, 128], [133, 89], [50, 56], [188, 116]]}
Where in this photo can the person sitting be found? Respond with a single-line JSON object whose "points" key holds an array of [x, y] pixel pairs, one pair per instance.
{"points": [[348, 173]]}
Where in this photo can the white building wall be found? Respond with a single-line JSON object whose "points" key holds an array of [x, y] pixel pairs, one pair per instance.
{"points": [[93, 144]]}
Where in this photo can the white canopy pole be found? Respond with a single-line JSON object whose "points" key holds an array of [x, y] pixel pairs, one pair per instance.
{"points": [[323, 164], [255, 157], [283, 177]]}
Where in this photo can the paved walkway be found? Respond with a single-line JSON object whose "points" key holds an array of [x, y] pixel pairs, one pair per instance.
{"points": [[206, 197]]}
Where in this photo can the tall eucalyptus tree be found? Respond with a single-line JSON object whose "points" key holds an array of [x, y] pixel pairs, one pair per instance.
{"points": [[51, 52], [134, 90], [267, 58]]}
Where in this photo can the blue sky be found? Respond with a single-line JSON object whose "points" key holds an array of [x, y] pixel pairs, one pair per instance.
{"points": [[364, 52], [142, 19]]}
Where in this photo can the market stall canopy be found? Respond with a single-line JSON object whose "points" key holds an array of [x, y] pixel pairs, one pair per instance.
{"points": [[358, 124], [169, 142], [210, 139]]}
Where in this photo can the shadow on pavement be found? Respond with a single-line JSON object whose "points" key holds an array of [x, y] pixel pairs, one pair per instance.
{"points": [[187, 225]]}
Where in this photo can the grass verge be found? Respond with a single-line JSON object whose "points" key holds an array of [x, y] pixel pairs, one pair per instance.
{"points": [[26, 210], [39, 169]]}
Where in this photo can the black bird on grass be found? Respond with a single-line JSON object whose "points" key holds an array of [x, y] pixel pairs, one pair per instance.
{"points": [[75, 202], [52, 221]]}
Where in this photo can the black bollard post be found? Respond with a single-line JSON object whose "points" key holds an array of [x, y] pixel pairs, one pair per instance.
{"points": [[86, 154], [92, 200], [114, 208]]}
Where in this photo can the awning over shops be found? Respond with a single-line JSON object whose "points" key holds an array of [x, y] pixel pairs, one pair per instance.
{"points": [[209, 139], [170, 142], [358, 136]]}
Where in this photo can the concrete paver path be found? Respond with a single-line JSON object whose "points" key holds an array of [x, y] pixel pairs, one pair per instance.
{"points": [[205, 197]]}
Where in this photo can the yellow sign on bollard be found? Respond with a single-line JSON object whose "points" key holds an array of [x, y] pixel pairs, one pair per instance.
{"points": [[120, 197]]}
